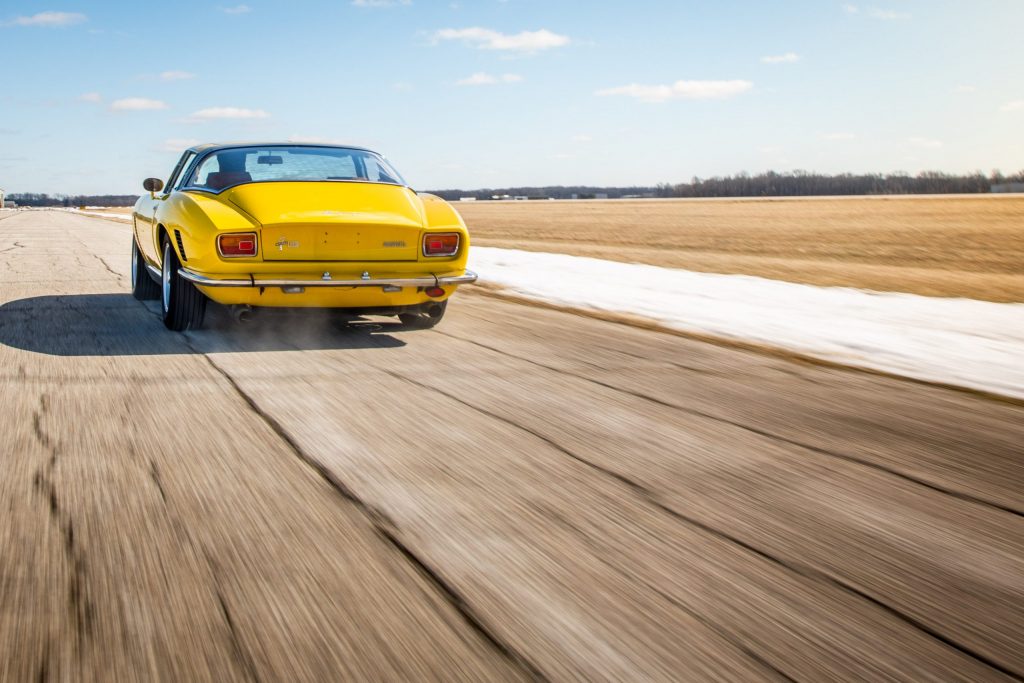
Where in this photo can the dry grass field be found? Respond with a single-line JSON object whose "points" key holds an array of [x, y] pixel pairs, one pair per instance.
{"points": [[938, 246]]}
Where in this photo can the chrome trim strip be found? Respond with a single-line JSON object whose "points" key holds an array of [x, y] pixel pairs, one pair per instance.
{"points": [[154, 271], [427, 281]]}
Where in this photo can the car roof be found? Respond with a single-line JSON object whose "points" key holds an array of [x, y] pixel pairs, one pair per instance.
{"points": [[216, 146]]}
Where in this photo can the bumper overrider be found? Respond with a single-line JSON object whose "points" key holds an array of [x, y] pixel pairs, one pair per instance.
{"points": [[327, 281]]}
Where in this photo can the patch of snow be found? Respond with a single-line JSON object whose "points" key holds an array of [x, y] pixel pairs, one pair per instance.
{"points": [[962, 342], [103, 214]]}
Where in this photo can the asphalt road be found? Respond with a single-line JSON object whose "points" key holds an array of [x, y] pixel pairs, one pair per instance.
{"points": [[521, 493]]}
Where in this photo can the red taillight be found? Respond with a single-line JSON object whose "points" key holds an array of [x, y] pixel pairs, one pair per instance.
{"points": [[434, 292], [237, 245], [441, 244]]}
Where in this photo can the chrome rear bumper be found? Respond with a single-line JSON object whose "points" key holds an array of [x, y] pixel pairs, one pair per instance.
{"points": [[328, 281]]}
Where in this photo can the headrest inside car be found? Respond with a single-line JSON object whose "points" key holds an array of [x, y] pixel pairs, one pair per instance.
{"points": [[218, 181]]}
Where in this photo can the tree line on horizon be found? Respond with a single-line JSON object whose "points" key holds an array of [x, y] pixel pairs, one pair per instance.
{"points": [[37, 199], [768, 184]]}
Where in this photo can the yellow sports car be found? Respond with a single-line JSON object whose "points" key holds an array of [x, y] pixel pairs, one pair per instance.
{"points": [[291, 225]]}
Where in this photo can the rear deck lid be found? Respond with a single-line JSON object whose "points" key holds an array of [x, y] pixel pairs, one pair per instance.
{"points": [[333, 220]]}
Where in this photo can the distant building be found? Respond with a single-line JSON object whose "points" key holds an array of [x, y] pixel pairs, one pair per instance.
{"points": [[601, 195], [467, 199], [1001, 188], [1, 198]]}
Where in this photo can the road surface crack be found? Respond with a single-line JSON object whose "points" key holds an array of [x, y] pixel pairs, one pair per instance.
{"points": [[107, 266], [654, 500], [154, 474], [695, 412], [79, 601], [387, 530], [242, 655]]}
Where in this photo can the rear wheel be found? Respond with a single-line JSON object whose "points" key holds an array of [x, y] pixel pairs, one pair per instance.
{"points": [[144, 288], [183, 305], [428, 316]]}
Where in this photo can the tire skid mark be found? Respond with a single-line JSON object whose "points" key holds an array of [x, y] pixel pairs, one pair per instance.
{"points": [[387, 530], [798, 568], [695, 412]]}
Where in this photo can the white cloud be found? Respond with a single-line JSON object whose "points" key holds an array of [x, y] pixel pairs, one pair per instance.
{"points": [[177, 144], [851, 9], [525, 42], [92, 97], [380, 3], [1016, 105], [681, 90], [926, 143], [886, 14], [481, 78], [213, 113], [965, 88], [237, 9], [582, 138], [137, 104], [49, 19], [176, 76], [838, 136], [787, 58]]}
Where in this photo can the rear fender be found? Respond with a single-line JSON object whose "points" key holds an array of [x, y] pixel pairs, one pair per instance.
{"points": [[198, 219]]}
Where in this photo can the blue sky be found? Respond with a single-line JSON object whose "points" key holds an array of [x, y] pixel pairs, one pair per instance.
{"points": [[483, 93]]}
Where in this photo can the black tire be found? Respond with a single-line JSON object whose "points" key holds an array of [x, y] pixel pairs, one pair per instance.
{"points": [[183, 305], [144, 287], [425, 318]]}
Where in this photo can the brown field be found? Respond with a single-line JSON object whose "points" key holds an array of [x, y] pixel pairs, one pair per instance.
{"points": [[938, 246]]}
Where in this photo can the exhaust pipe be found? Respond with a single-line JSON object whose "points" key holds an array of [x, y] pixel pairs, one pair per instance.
{"points": [[434, 311], [242, 312]]}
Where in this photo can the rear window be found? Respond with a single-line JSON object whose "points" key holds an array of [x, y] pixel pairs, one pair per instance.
{"points": [[229, 167]]}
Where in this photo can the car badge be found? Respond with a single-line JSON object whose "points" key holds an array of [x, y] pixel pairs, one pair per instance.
{"points": [[281, 243], [326, 276], [366, 275]]}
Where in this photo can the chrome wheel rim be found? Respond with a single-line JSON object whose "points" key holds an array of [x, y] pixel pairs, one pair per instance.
{"points": [[135, 264], [165, 277]]}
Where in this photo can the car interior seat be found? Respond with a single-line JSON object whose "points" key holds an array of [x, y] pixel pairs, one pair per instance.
{"points": [[221, 179]]}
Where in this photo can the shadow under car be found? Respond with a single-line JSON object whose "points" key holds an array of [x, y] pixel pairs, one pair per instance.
{"points": [[119, 325]]}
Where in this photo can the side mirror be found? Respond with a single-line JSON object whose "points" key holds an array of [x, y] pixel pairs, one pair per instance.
{"points": [[153, 184]]}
